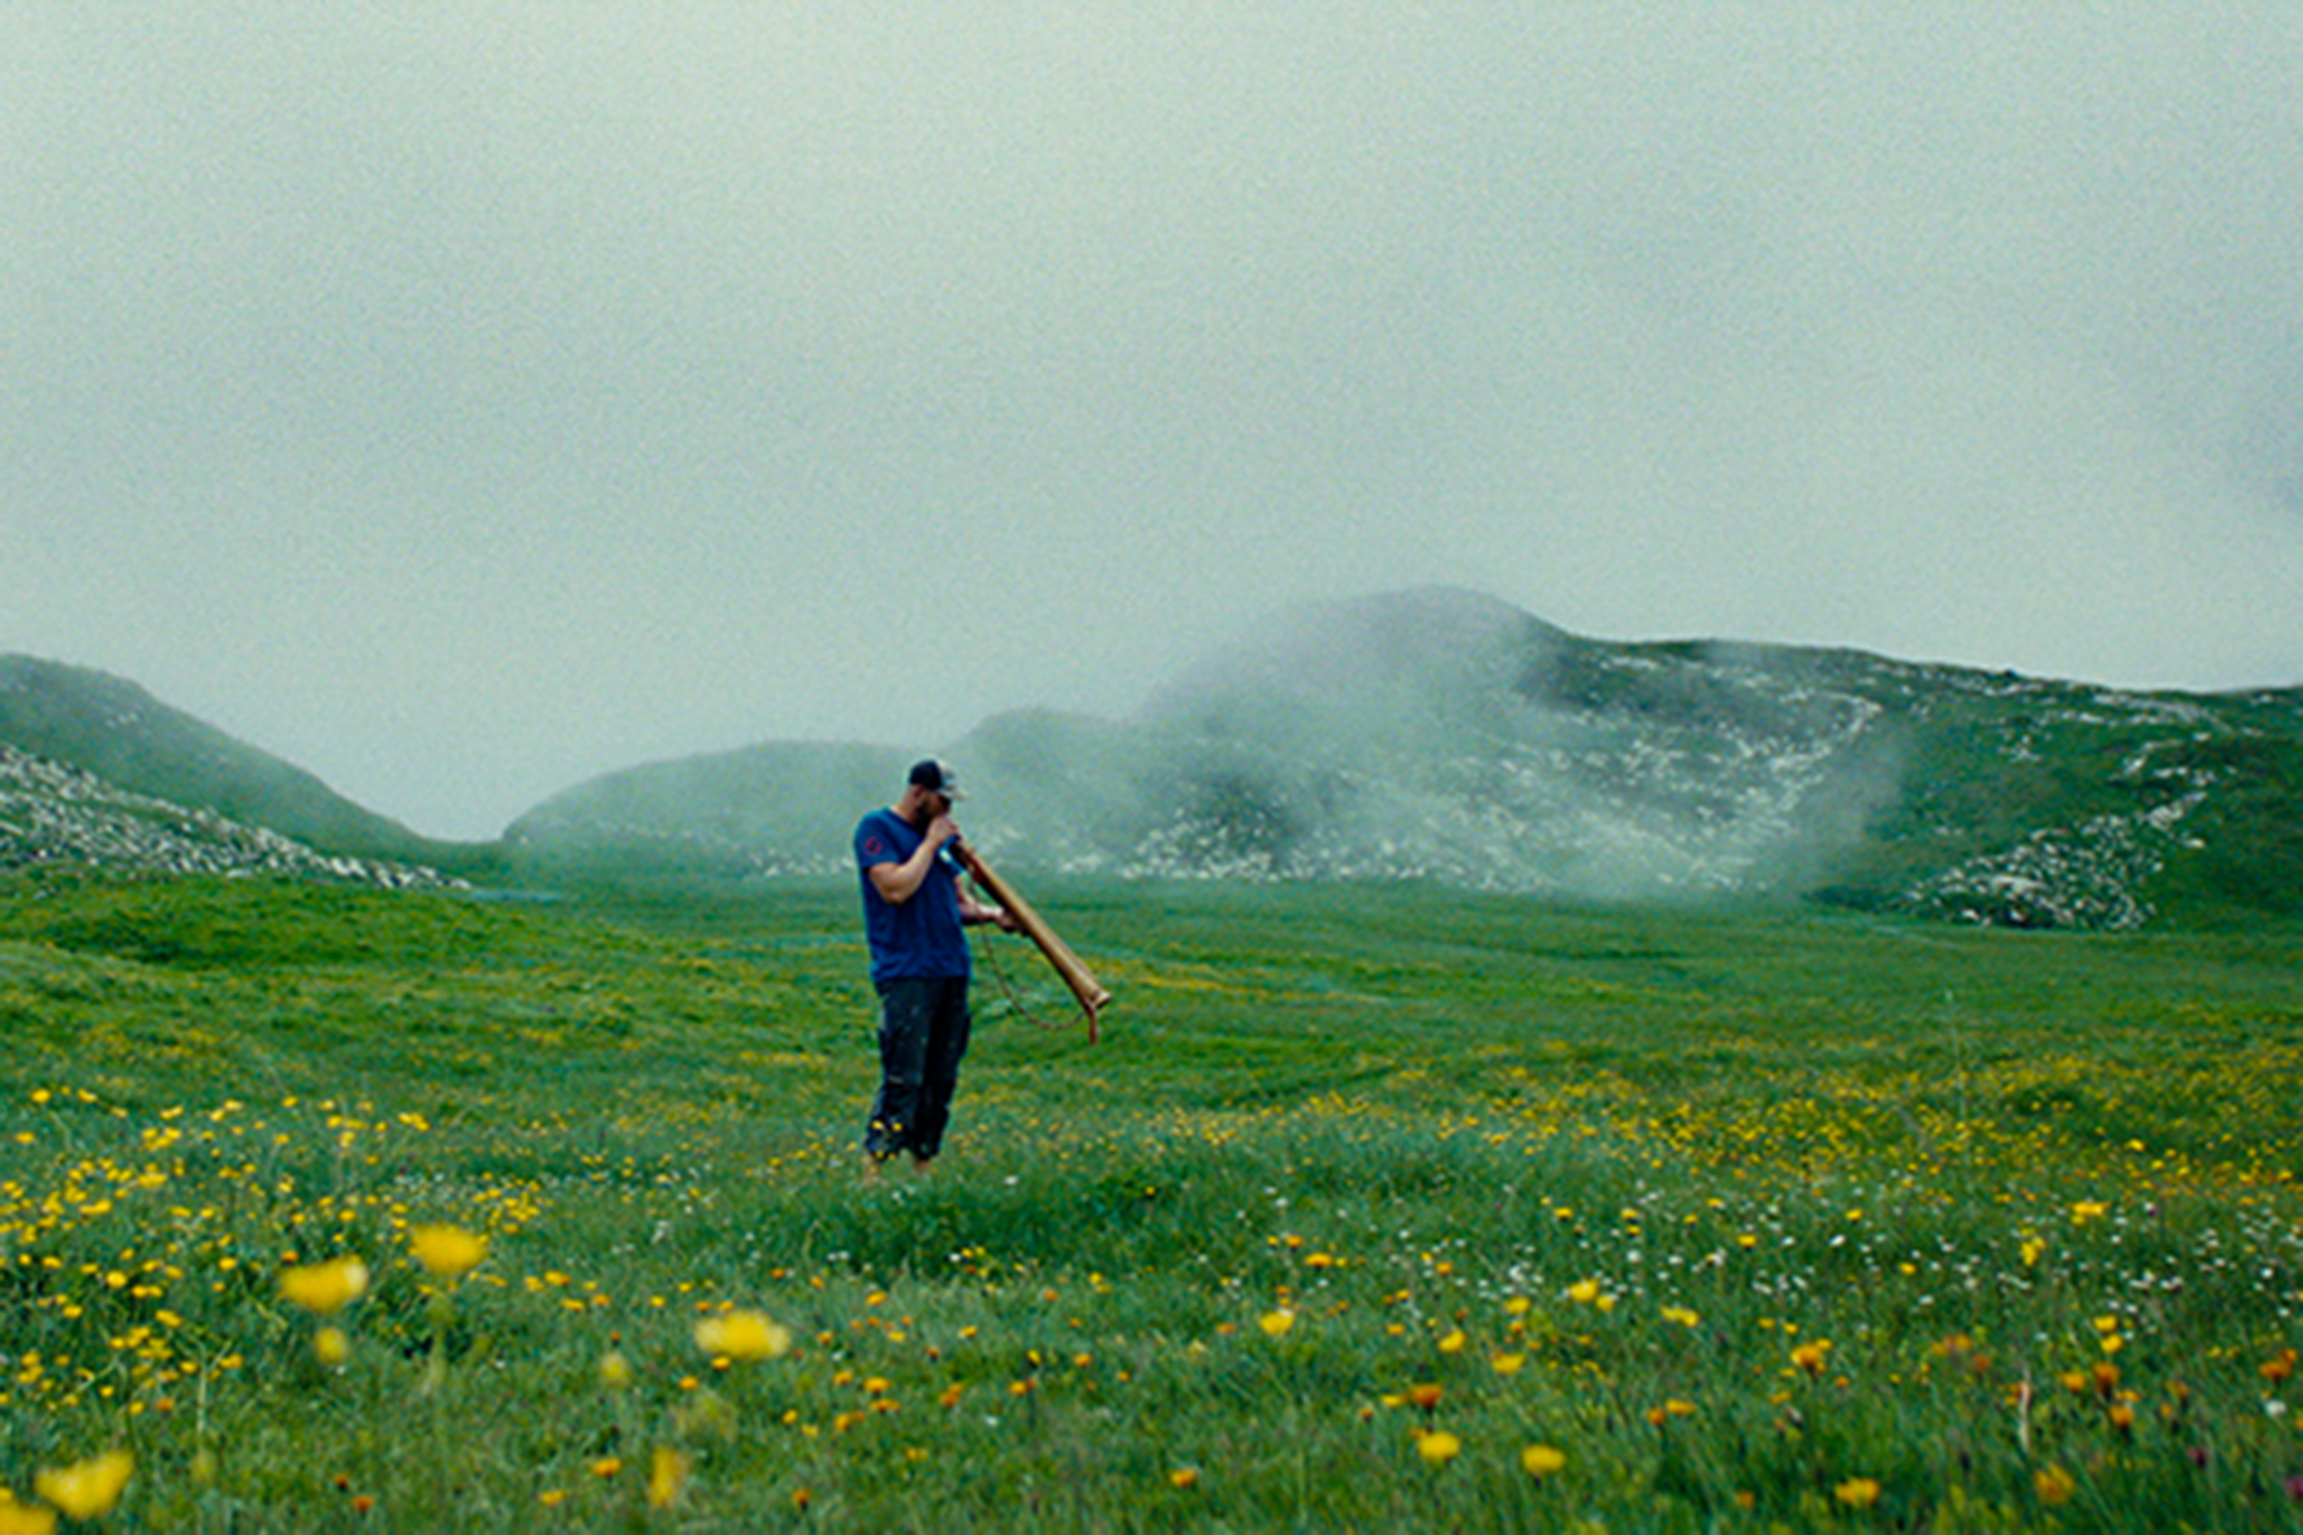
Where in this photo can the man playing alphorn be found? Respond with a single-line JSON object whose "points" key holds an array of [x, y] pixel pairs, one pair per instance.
{"points": [[915, 913]]}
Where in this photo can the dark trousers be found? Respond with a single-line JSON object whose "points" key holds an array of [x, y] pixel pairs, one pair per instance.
{"points": [[923, 1034]]}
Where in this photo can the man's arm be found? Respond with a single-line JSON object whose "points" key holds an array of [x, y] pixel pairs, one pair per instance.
{"points": [[974, 911], [899, 882]]}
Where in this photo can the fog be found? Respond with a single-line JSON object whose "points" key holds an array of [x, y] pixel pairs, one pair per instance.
{"points": [[465, 402]]}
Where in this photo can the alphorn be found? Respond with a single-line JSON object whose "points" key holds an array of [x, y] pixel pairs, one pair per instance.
{"points": [[1084, 986]]}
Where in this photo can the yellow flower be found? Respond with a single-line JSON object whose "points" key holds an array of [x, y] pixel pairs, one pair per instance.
{"points": [[1542, 1460], [447, 1252], [1277, 1323], [87, 1489], [667, 1474], [1584, 1291], [2088, 1210], [607, 1466], [1185, 1477], [1424, 1394], [1682, 1315], [1507, 1364], [615, 1370], [325, 1288], [2032, 1249], [23, 1519], [2054, 1485], [1810, 1356], [743, 1335], [1438, 1448], [331, 1347], [1453, 1343], [1857, 1492]]}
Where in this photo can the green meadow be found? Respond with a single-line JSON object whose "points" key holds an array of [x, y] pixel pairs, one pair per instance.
{"points": [[1374, 1208]]}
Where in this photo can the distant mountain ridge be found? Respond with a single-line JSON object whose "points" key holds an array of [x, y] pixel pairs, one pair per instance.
{"points": [[1440, 734], [1433, 734]]}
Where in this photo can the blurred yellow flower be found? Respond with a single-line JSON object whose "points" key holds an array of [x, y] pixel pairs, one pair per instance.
{"points": [[1438, 1448], [1541, 1460], [743, 1335], [1584, 1291], [447, 1252], [86, 1489], [331, 1347], [1810, 1356], [667, 1474], [1453, 1343], [21, 1519], [1857, 1492], [325, 1288], [1682, 1315], [2088, 1210], [615, 1370], [1507, 1364], [1424, 1394], [2054, 1485], [1277, 1323], [1186, 1477]]}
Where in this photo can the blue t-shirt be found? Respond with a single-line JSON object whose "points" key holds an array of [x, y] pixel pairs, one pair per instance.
{"points": [[918, 939]]}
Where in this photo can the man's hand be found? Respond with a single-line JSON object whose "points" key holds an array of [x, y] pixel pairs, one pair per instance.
{"points": [[941, 830]]}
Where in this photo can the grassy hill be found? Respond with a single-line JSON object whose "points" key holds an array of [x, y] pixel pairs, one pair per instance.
{"points": [[1442, 736]]}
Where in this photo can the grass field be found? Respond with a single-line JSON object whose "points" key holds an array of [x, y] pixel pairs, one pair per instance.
{"points": [[1375, 1208]]}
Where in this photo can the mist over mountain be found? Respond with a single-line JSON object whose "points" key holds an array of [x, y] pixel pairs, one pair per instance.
{"points": [[1433, 734], [1439, 734]]}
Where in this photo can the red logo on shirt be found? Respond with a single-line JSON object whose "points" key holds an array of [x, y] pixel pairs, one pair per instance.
{"points": [[874, 846]]}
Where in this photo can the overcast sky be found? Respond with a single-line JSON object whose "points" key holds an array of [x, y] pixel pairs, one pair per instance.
{"points": [[462, 401]]}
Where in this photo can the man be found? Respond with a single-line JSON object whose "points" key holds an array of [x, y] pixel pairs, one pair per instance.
{"points": [[915, 913]]}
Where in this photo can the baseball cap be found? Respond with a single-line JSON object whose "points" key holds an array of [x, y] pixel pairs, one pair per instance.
{"points": [[937, 777]]}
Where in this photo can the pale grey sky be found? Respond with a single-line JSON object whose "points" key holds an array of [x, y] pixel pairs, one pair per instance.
{"points": [[463, 401]]}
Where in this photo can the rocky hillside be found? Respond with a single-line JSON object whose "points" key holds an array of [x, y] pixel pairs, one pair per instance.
{"points": [[1442, 735], [112, 728], [96, 771], [54, 815]]}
